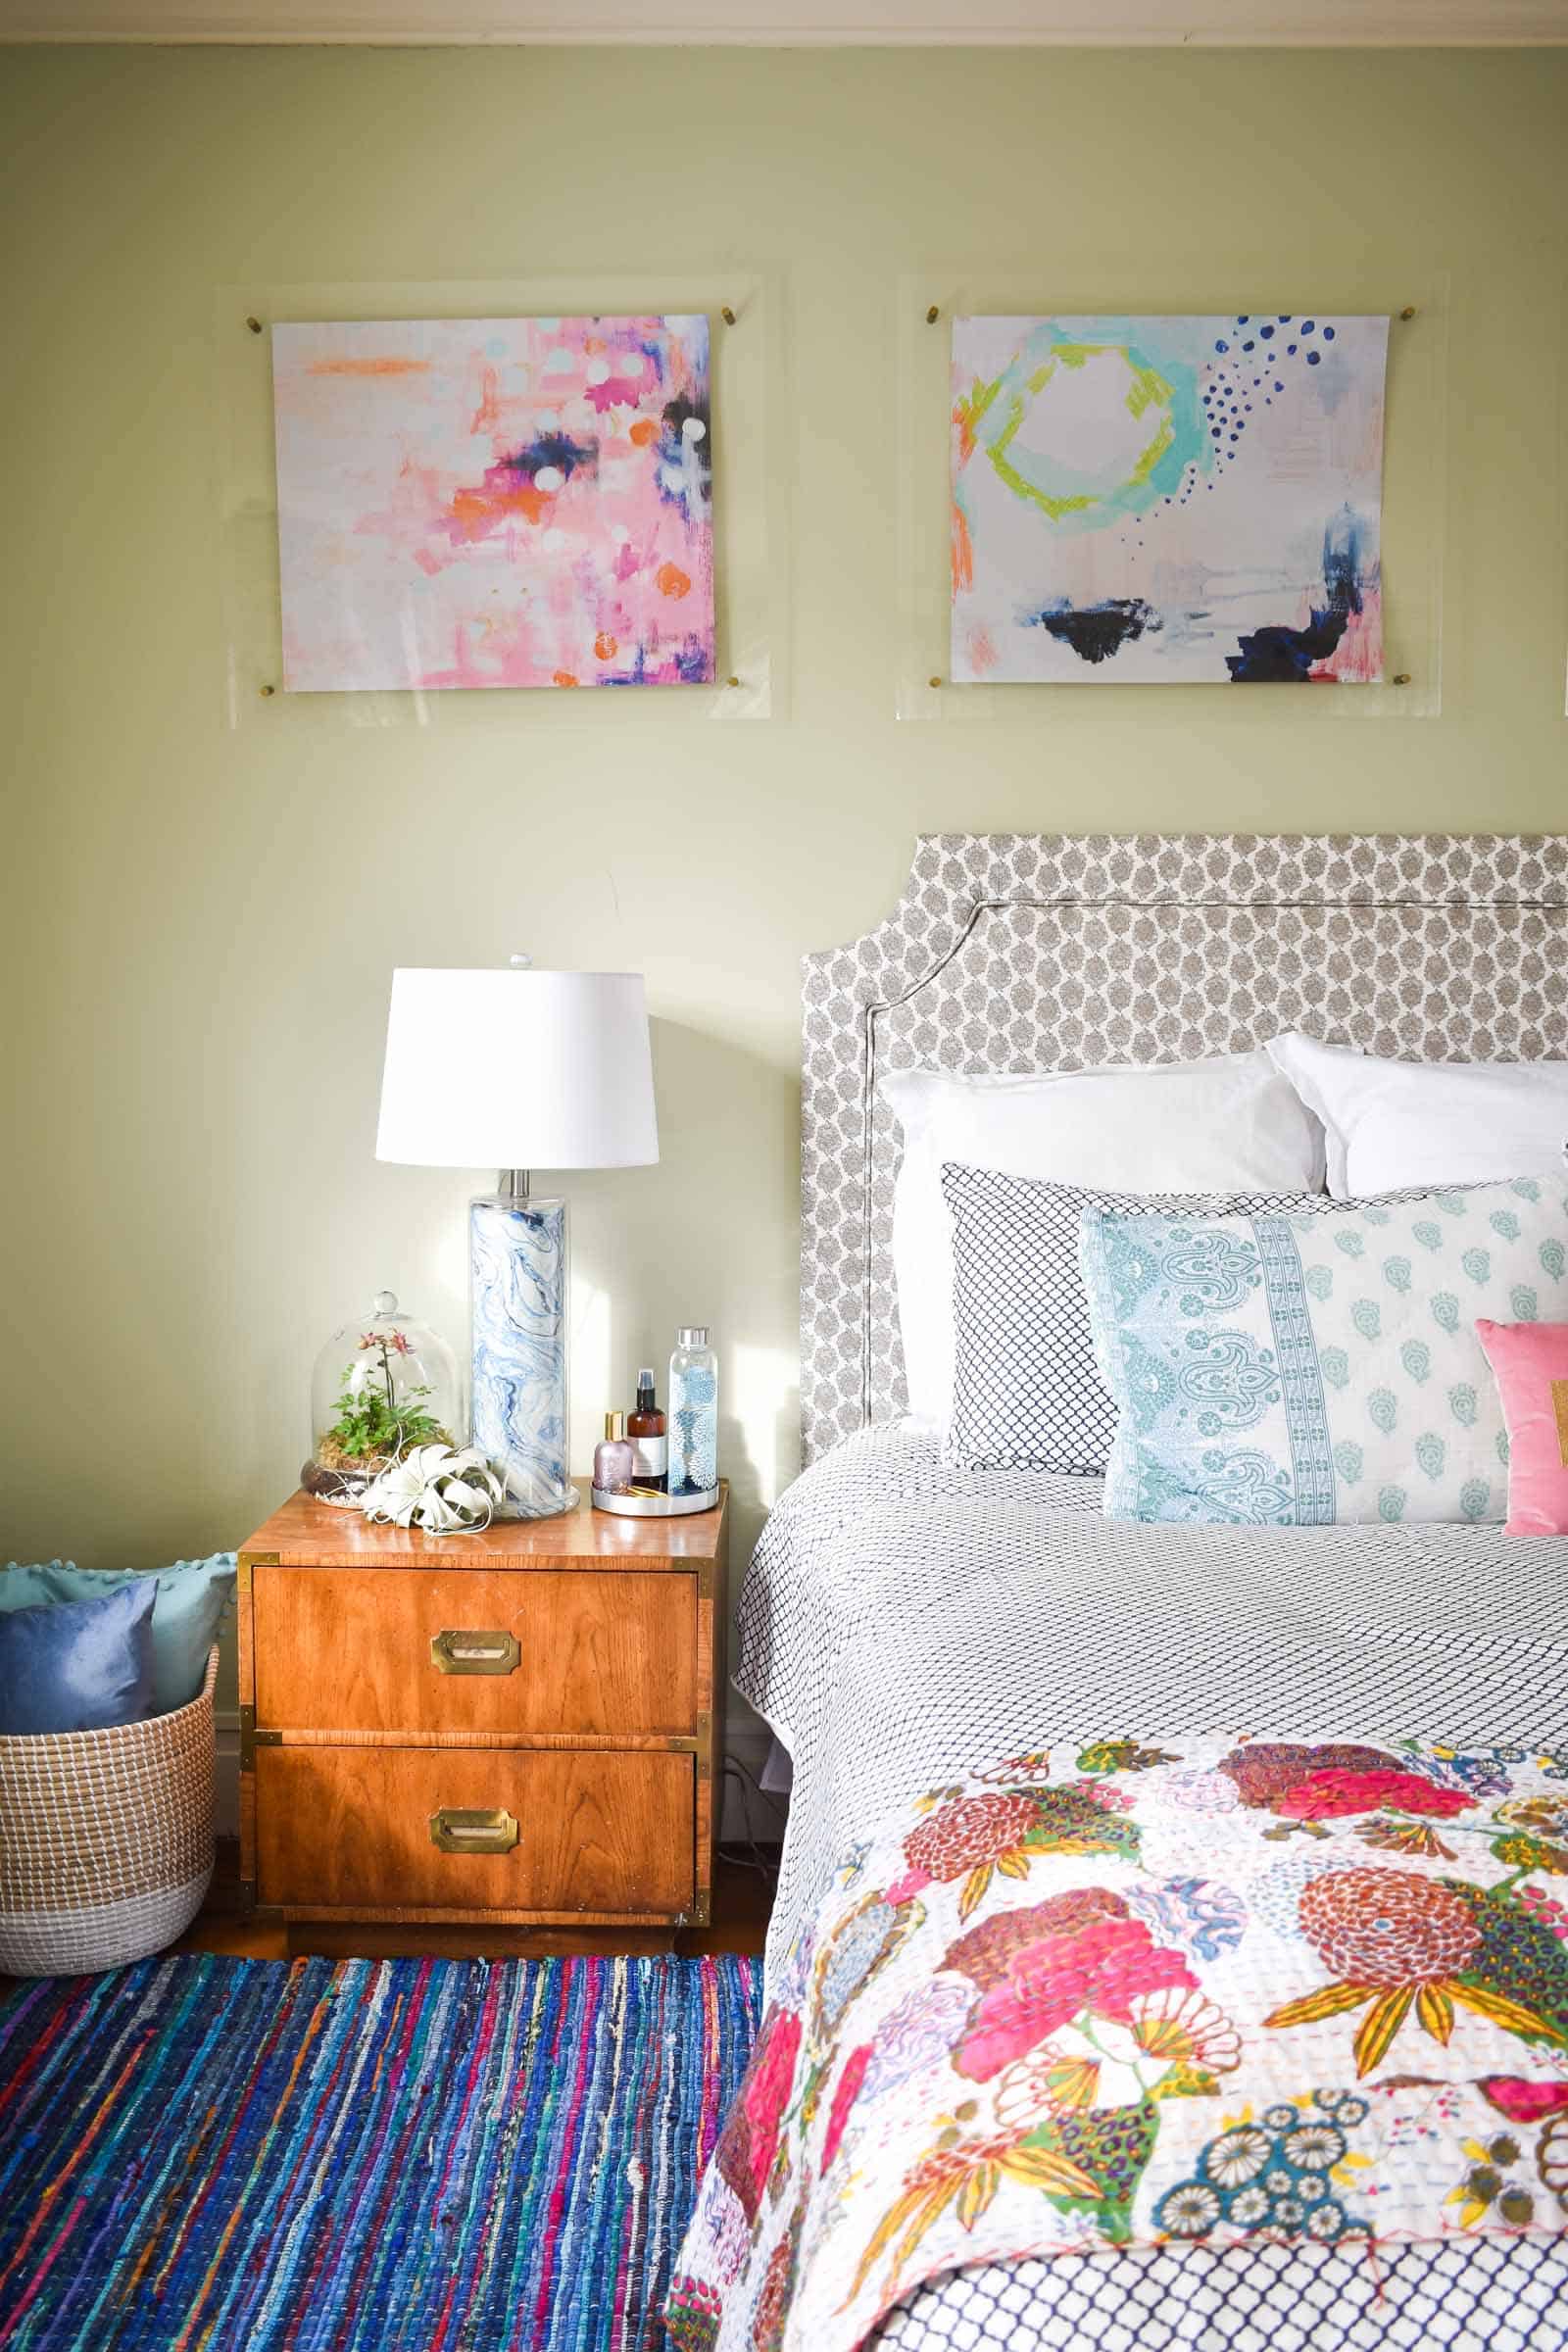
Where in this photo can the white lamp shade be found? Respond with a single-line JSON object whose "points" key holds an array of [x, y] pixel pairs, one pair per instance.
{"points": [[520, 1069]]}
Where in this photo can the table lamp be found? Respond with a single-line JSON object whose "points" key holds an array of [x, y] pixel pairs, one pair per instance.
{"points": [[519, 1070]]}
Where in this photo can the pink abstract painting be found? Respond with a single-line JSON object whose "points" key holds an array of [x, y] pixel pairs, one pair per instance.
{"points": [[495, 502]]}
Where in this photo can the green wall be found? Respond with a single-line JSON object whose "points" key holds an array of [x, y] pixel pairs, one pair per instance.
{"points": [[203, 922]]}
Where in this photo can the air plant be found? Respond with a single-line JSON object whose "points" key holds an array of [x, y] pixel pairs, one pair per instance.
{"points": [[437, 1489]]}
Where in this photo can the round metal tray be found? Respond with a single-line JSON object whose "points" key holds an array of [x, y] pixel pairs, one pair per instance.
{"points": [[653, 1506]]}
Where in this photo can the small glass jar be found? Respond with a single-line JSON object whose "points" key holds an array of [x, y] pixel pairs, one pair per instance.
{"points": [[379, 1389], [615, 1457]]}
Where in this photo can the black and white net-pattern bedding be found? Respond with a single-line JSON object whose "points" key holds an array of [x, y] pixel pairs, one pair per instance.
{"points": [[903, 1618]]}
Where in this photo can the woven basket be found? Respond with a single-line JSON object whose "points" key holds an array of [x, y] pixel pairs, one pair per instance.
{"points": [[106, 1839]]}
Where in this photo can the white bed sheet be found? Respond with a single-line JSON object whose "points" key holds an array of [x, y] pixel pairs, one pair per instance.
{"points": [[901, 1621]]}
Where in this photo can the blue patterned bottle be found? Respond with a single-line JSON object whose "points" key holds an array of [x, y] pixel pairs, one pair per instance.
{"points": [[693, 1413]]}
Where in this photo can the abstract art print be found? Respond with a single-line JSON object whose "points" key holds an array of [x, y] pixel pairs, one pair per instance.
{"points": [[495, 502], [1167, 501]]}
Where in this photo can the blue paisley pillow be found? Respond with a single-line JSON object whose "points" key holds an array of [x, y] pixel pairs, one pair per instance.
{"points": [[1287, 1370]]}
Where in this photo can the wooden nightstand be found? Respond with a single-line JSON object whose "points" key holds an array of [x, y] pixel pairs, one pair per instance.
{"points": [[516, 1729]]}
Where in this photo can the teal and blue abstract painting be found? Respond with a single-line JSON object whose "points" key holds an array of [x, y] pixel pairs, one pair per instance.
{"points": [[1168, 501]]}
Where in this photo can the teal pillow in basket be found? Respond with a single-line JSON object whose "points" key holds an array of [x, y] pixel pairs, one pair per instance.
{"points": [[78, 1665], [192, 1596]]}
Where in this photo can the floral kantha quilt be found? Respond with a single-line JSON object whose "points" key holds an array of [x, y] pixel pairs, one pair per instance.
{"points": [[1136, 1994]]}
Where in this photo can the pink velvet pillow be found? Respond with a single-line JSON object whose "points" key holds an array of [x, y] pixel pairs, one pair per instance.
{"points": [[1530, 1364]]}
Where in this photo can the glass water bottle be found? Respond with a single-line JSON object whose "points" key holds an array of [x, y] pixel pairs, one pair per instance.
{"points": [[693, 1413]]}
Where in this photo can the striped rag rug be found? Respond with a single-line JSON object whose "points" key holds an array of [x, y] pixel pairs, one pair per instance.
{"points": [[215, 2155]]}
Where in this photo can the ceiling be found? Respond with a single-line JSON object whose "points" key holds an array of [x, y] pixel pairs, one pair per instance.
{"points": [[1089, 23]]}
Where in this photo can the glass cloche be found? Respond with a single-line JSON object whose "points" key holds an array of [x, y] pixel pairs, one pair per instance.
{"points": [[380, 1387]]}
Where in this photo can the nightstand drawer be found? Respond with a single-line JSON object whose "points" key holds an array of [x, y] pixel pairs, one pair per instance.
{"points": [[475, 1651], [422, 1829]]}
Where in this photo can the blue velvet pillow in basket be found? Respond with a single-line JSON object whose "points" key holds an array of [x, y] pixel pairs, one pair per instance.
{"points": [[78, 1665], [191, 1597]]}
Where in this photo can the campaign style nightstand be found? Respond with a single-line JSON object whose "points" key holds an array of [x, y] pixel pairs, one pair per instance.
{"points": [[516, 1728]]}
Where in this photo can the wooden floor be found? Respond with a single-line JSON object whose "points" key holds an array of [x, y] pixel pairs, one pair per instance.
{"points": [[742, 1900]]}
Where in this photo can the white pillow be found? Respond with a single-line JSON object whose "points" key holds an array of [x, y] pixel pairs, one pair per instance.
{"points": [[1230, 1125], [1391, 1125]]}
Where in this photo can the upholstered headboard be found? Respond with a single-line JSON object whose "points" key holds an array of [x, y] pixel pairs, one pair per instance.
{"points": [[1021, 952]]}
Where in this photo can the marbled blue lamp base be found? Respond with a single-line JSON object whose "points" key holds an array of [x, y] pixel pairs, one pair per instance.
{"points": [[517, 1270]]}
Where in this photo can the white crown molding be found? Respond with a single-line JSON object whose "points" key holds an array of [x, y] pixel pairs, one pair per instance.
{"points": [[814, 24]]}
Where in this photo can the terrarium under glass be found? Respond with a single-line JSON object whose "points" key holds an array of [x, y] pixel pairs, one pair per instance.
{"points": [[380, 1387]]}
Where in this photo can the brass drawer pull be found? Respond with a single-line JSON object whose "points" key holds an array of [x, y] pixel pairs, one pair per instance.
{"points": [[460, 1829], [455, 1653]]}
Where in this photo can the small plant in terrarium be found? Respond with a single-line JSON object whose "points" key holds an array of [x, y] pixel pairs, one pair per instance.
{"points": [[379, 1392], [378, 1420]]}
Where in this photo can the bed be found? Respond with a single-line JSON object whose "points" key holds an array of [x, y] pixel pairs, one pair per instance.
{"points": [[904, 1622]]}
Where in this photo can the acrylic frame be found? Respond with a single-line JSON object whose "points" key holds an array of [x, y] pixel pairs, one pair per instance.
{"points": [[1414, 486], [1552, 261], [751, 515]]}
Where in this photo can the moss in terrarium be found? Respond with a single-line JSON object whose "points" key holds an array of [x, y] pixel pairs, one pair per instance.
{"points": [[375, 1426]]}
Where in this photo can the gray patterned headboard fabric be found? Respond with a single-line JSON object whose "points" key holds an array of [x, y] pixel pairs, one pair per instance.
{"points": [[1035, 952]]}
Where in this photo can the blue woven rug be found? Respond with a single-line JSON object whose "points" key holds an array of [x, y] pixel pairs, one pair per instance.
{"points": [[209, 2155]]}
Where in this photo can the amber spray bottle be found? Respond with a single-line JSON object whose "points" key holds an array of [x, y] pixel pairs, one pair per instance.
{"points": [[650, 1444]]}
